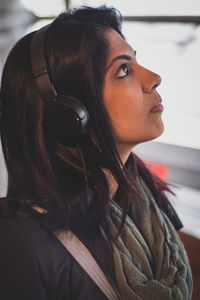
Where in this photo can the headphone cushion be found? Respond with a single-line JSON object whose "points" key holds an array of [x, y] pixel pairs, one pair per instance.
{"points": [[64, 120]]}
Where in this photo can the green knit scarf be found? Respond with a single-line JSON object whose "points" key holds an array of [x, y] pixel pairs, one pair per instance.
{"points": [[149, 259]]}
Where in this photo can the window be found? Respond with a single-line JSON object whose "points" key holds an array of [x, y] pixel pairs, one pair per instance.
{"points": [[172, 50]]}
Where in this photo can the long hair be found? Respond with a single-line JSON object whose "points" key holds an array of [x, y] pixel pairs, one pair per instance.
{"points": [[54, 176]]}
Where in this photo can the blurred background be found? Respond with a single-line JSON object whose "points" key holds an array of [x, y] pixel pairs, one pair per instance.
{"points": [[166, 36]]}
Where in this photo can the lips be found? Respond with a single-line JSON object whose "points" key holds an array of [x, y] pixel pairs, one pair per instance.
{"points": [[158, 107]]}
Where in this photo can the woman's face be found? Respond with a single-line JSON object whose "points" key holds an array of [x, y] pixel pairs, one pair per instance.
{"points": [[130, 95]]}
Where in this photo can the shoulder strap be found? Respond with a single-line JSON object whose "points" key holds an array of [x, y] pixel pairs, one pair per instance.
{"points": [[83, 256]]}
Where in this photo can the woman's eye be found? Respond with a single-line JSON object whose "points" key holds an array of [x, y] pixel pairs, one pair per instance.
{"points": [[122, 72]]}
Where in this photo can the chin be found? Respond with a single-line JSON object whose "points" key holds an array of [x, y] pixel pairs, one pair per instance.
{"points": [[162, 128], [154, 134], [157, 130], [130, 141]]}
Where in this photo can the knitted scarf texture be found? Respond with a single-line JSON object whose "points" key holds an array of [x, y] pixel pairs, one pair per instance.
{"points": [[149, 258]]}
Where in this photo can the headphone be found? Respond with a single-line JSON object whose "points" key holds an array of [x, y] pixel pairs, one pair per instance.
{"points": [[65, 118]]}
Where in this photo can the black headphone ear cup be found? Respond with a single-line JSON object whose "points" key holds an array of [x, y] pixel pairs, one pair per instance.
{"points": [[65, 118], [65, 121]]}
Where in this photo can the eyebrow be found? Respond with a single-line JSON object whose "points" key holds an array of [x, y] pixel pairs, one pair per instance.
{"points": [[124, 56]]}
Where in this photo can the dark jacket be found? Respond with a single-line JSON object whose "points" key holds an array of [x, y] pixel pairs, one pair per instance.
{"points": [[34, 265]]}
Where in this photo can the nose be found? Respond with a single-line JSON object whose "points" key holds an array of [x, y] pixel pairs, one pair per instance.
{"points": [[151, 81]]}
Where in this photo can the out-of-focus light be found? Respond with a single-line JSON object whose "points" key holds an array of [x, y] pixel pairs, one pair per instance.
{"points": [[45, 7], [146, 7]]}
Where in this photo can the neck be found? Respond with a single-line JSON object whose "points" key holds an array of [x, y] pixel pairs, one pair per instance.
{"points": [[124, 151], [124, 154]]}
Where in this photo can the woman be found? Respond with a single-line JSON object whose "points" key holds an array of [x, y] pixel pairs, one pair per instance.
{"points": [[75, 171]]}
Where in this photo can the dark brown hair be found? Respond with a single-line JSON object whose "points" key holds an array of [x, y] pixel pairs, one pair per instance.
{"points": [[48, 174]]}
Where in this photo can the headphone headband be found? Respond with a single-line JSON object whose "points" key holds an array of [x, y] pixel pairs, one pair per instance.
{"points": [[65, 118], [40, 65]]}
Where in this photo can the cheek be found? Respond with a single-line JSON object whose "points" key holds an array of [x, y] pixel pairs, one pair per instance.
{"points": [[125, 108], [128, 110], [123, 103]]}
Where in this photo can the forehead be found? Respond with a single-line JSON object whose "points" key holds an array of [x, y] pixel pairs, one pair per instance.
{"points": [[117, 45]]}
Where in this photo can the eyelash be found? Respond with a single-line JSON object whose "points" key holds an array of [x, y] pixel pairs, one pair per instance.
{"points": [[123, 68]]}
